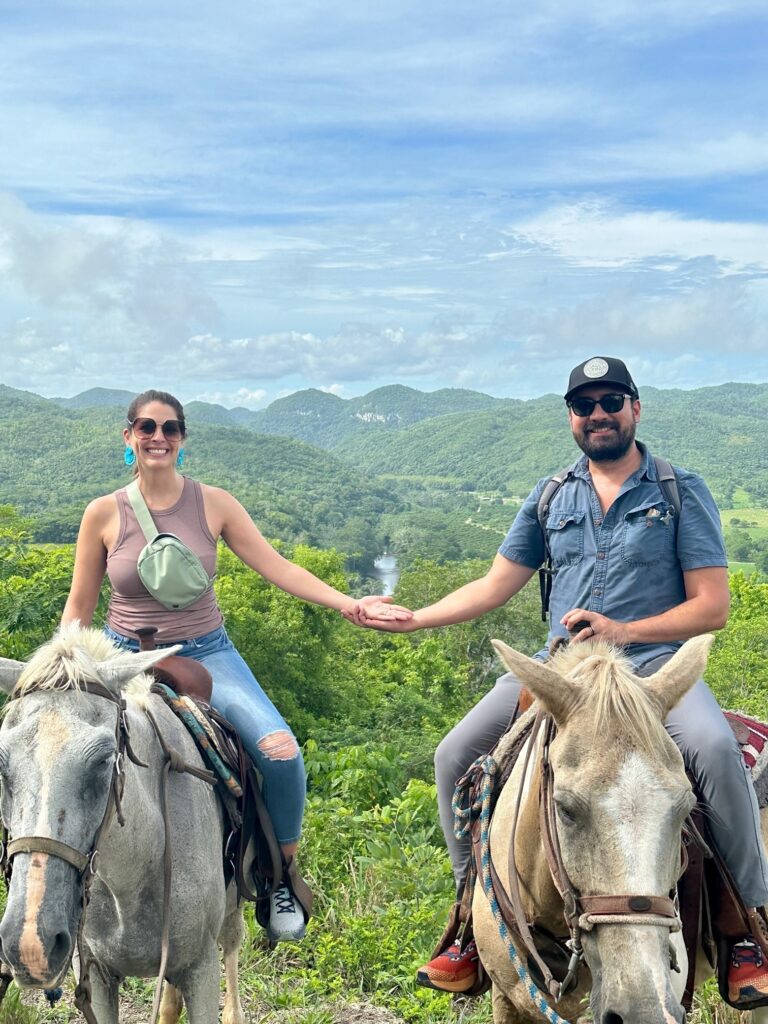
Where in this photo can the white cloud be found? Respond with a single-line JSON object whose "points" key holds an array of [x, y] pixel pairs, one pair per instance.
{"points": [[247, 398], [599, 233]]}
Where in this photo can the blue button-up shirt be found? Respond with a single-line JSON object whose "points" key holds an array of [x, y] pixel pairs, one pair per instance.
{"points": [[627, 564]]}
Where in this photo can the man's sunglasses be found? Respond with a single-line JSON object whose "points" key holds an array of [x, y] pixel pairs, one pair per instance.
{"points": [[586, 406], [145, 426]]}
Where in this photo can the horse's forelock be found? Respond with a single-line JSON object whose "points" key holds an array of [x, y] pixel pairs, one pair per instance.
{"points": [[59, 664], [612, 694]]}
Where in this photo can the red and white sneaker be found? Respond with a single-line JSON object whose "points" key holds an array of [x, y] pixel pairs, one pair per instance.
{"points": [[747, 973], [453, 970]]}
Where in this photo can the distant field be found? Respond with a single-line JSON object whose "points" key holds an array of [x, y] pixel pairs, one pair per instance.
{"points": [[758, 516], [745, 567], [740, 523]]}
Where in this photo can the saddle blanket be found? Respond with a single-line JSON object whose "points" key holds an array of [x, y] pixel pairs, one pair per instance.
{"points": [[752, 737]]}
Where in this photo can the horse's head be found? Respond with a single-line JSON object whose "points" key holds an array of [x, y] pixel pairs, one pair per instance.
{"points": [[58, 748], [620, 796]]}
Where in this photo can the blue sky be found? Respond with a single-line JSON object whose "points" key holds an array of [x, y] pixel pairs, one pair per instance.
{"points": [[239, 200]]}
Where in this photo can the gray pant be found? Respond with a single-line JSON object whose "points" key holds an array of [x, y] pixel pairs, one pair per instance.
{"points": [[709, 748]]}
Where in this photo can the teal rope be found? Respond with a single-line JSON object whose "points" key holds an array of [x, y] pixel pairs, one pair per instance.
{"points": [[466, 811]]}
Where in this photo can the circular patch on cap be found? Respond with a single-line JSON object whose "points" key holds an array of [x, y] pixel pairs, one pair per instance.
{"points": [[595, 368]]}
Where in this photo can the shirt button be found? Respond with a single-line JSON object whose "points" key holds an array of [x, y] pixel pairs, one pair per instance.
{"points": [[601, 554], [597, 591], [598, 522]]}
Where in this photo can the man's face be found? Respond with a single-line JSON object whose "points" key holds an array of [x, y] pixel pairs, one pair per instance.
{"points": [[605, 436]]}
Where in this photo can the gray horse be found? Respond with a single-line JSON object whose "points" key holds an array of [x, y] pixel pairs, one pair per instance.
{"points": [[61, 765]]}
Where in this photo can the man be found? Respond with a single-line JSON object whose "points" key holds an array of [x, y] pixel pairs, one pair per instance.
{"points": [[626, 572]]}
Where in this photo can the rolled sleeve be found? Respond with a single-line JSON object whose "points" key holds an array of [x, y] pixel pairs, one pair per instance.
{"points": [[700, 542], [524, 542]]}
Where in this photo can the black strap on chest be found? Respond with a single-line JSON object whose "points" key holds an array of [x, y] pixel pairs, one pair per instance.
{"points": [[668, 484]]}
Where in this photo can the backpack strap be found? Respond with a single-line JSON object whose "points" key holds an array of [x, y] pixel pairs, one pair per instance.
{"points": [[143, 515], [551, 487], [667, 479]]}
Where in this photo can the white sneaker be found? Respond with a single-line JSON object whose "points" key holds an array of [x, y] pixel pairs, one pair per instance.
{"points": [[286, 917]]}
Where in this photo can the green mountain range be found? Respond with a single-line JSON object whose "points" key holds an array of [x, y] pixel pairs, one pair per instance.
{"points": [[308, 465]]}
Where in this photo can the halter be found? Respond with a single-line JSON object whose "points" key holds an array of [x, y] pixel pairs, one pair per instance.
{"points": [[85, 864]]}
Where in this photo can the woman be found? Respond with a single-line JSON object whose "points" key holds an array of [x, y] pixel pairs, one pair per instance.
{"points": [[110, 540]]}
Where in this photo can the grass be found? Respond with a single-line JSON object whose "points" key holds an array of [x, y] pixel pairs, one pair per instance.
{"points": [[756, 518]]}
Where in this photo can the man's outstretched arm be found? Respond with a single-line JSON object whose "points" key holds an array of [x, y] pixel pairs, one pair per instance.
{"points": [[502, 581]]}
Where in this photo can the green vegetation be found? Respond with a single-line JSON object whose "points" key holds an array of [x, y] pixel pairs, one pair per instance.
{"points": [[369, 708]]}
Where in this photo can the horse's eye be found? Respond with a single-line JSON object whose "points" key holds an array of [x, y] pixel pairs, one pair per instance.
{"points": [[567, 810]]}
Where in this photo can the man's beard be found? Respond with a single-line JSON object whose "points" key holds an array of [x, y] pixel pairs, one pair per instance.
{"points": [[606, 447]]}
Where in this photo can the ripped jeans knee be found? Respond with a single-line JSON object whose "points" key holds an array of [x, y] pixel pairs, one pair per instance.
{"points": [[279, 746]]}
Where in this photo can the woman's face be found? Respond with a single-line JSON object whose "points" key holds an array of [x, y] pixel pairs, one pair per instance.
{"points": [[153, 447]]}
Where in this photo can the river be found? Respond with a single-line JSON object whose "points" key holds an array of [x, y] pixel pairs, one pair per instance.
{"points": [[385, 569]]}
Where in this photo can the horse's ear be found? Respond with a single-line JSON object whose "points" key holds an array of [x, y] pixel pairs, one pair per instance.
{"points": [[558, 694], [9, 674], [673, 680], [119, 670]]}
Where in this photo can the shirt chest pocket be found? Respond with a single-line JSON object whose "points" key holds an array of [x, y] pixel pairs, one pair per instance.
{"points": [[648, 532], [565, 533]]}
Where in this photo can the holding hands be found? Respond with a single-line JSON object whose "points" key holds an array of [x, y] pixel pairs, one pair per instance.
{"points": [[374, 612]]}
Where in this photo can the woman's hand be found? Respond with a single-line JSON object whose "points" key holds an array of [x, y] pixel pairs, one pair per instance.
{"points": [[376, 612]]}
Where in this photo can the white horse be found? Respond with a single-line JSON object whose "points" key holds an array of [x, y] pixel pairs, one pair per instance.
{"points": [[71, 779], [620, 797]]}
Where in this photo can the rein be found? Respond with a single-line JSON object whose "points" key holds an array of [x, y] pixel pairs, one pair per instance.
{"points": [[85, 864]]}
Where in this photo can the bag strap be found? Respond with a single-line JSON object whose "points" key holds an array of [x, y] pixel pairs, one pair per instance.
{"points": [[143, 515]]}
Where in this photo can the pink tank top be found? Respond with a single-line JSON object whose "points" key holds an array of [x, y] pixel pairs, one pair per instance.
{"points": [[131, 606]]}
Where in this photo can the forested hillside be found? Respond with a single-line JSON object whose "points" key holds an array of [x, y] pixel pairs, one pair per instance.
{"points": [[480, 442], [720, 432], [436, 475]]}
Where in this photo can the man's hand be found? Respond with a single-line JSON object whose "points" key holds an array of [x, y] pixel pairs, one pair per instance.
{"points": [[375, 612], [584, 625]]}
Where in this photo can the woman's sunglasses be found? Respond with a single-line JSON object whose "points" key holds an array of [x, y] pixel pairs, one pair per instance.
{"points": [[145, 426], [586, 406]]}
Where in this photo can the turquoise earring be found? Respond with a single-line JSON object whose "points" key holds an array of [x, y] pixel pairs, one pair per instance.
{"points": [[180, 459], [129, 456]]}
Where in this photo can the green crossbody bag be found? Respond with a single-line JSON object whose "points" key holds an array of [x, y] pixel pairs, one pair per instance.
{"points": [[167, 568]]}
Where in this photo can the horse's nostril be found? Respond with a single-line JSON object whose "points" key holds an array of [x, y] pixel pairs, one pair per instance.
{"points": [[60, 949], [612, 1018]]}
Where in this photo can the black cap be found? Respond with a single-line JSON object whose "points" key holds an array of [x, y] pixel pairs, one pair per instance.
{"points": [[600, 370]]}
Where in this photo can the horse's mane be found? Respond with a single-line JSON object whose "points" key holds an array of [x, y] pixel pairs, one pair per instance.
{"points": [[615, 696], [59, 664]]}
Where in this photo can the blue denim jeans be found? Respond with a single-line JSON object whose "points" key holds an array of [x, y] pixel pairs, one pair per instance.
{"points": [[238, 696]]}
